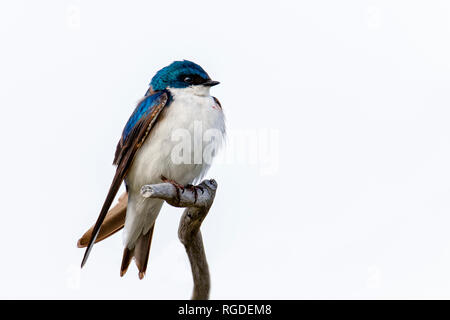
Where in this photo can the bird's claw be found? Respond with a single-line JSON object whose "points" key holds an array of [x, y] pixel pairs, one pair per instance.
{"points": [[176, 185], [193, 189]]}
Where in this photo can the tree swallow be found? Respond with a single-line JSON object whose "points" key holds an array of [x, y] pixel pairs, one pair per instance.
{"points": [[178, 98]]}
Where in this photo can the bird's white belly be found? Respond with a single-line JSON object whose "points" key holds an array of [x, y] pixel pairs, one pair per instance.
{"points": [[186, 119], [156, 158]]}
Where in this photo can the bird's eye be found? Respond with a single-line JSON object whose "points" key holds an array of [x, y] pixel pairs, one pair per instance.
{"points": [[188, 80]]}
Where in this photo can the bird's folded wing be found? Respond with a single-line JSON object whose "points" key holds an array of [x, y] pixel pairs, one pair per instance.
{"points": [[114, 221], [136, 131]]}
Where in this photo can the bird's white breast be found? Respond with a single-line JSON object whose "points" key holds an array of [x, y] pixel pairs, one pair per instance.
{"points": [[189, 108]]}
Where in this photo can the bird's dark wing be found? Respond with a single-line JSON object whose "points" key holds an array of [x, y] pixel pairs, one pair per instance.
{"points": [[217, 102], [113, 222], [136, 130]]}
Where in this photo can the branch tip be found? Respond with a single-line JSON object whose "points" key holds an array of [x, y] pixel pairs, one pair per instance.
{"points": [[147, 191]]}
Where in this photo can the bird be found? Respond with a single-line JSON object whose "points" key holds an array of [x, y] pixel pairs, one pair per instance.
{"points": [[178, 98]]}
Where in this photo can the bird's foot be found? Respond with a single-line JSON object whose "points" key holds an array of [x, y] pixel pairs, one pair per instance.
{"points": [[176, 185], [194, 189]]}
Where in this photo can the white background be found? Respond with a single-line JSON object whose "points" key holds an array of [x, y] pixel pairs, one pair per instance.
{"points": [[358, 92]]}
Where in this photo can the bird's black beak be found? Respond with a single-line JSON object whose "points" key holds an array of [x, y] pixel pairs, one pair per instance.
{"points": [[210, 83]]}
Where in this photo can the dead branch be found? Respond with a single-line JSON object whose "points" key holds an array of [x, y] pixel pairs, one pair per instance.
{"points": [[197, 208]]}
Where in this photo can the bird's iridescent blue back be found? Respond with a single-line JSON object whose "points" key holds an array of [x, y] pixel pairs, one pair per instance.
{"points": [[143, 109]]}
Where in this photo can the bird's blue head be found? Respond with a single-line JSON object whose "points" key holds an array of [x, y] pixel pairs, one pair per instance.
{"points": [[181, 74]]}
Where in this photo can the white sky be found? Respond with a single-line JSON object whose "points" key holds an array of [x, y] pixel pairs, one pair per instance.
{"points": [[356, 91]]}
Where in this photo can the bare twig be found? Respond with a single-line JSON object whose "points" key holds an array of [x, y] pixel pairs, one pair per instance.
{"points": [[197, 207]]}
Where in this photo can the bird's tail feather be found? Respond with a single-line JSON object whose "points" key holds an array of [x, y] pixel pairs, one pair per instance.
{"points": [[140, 252], [114, 221]]}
